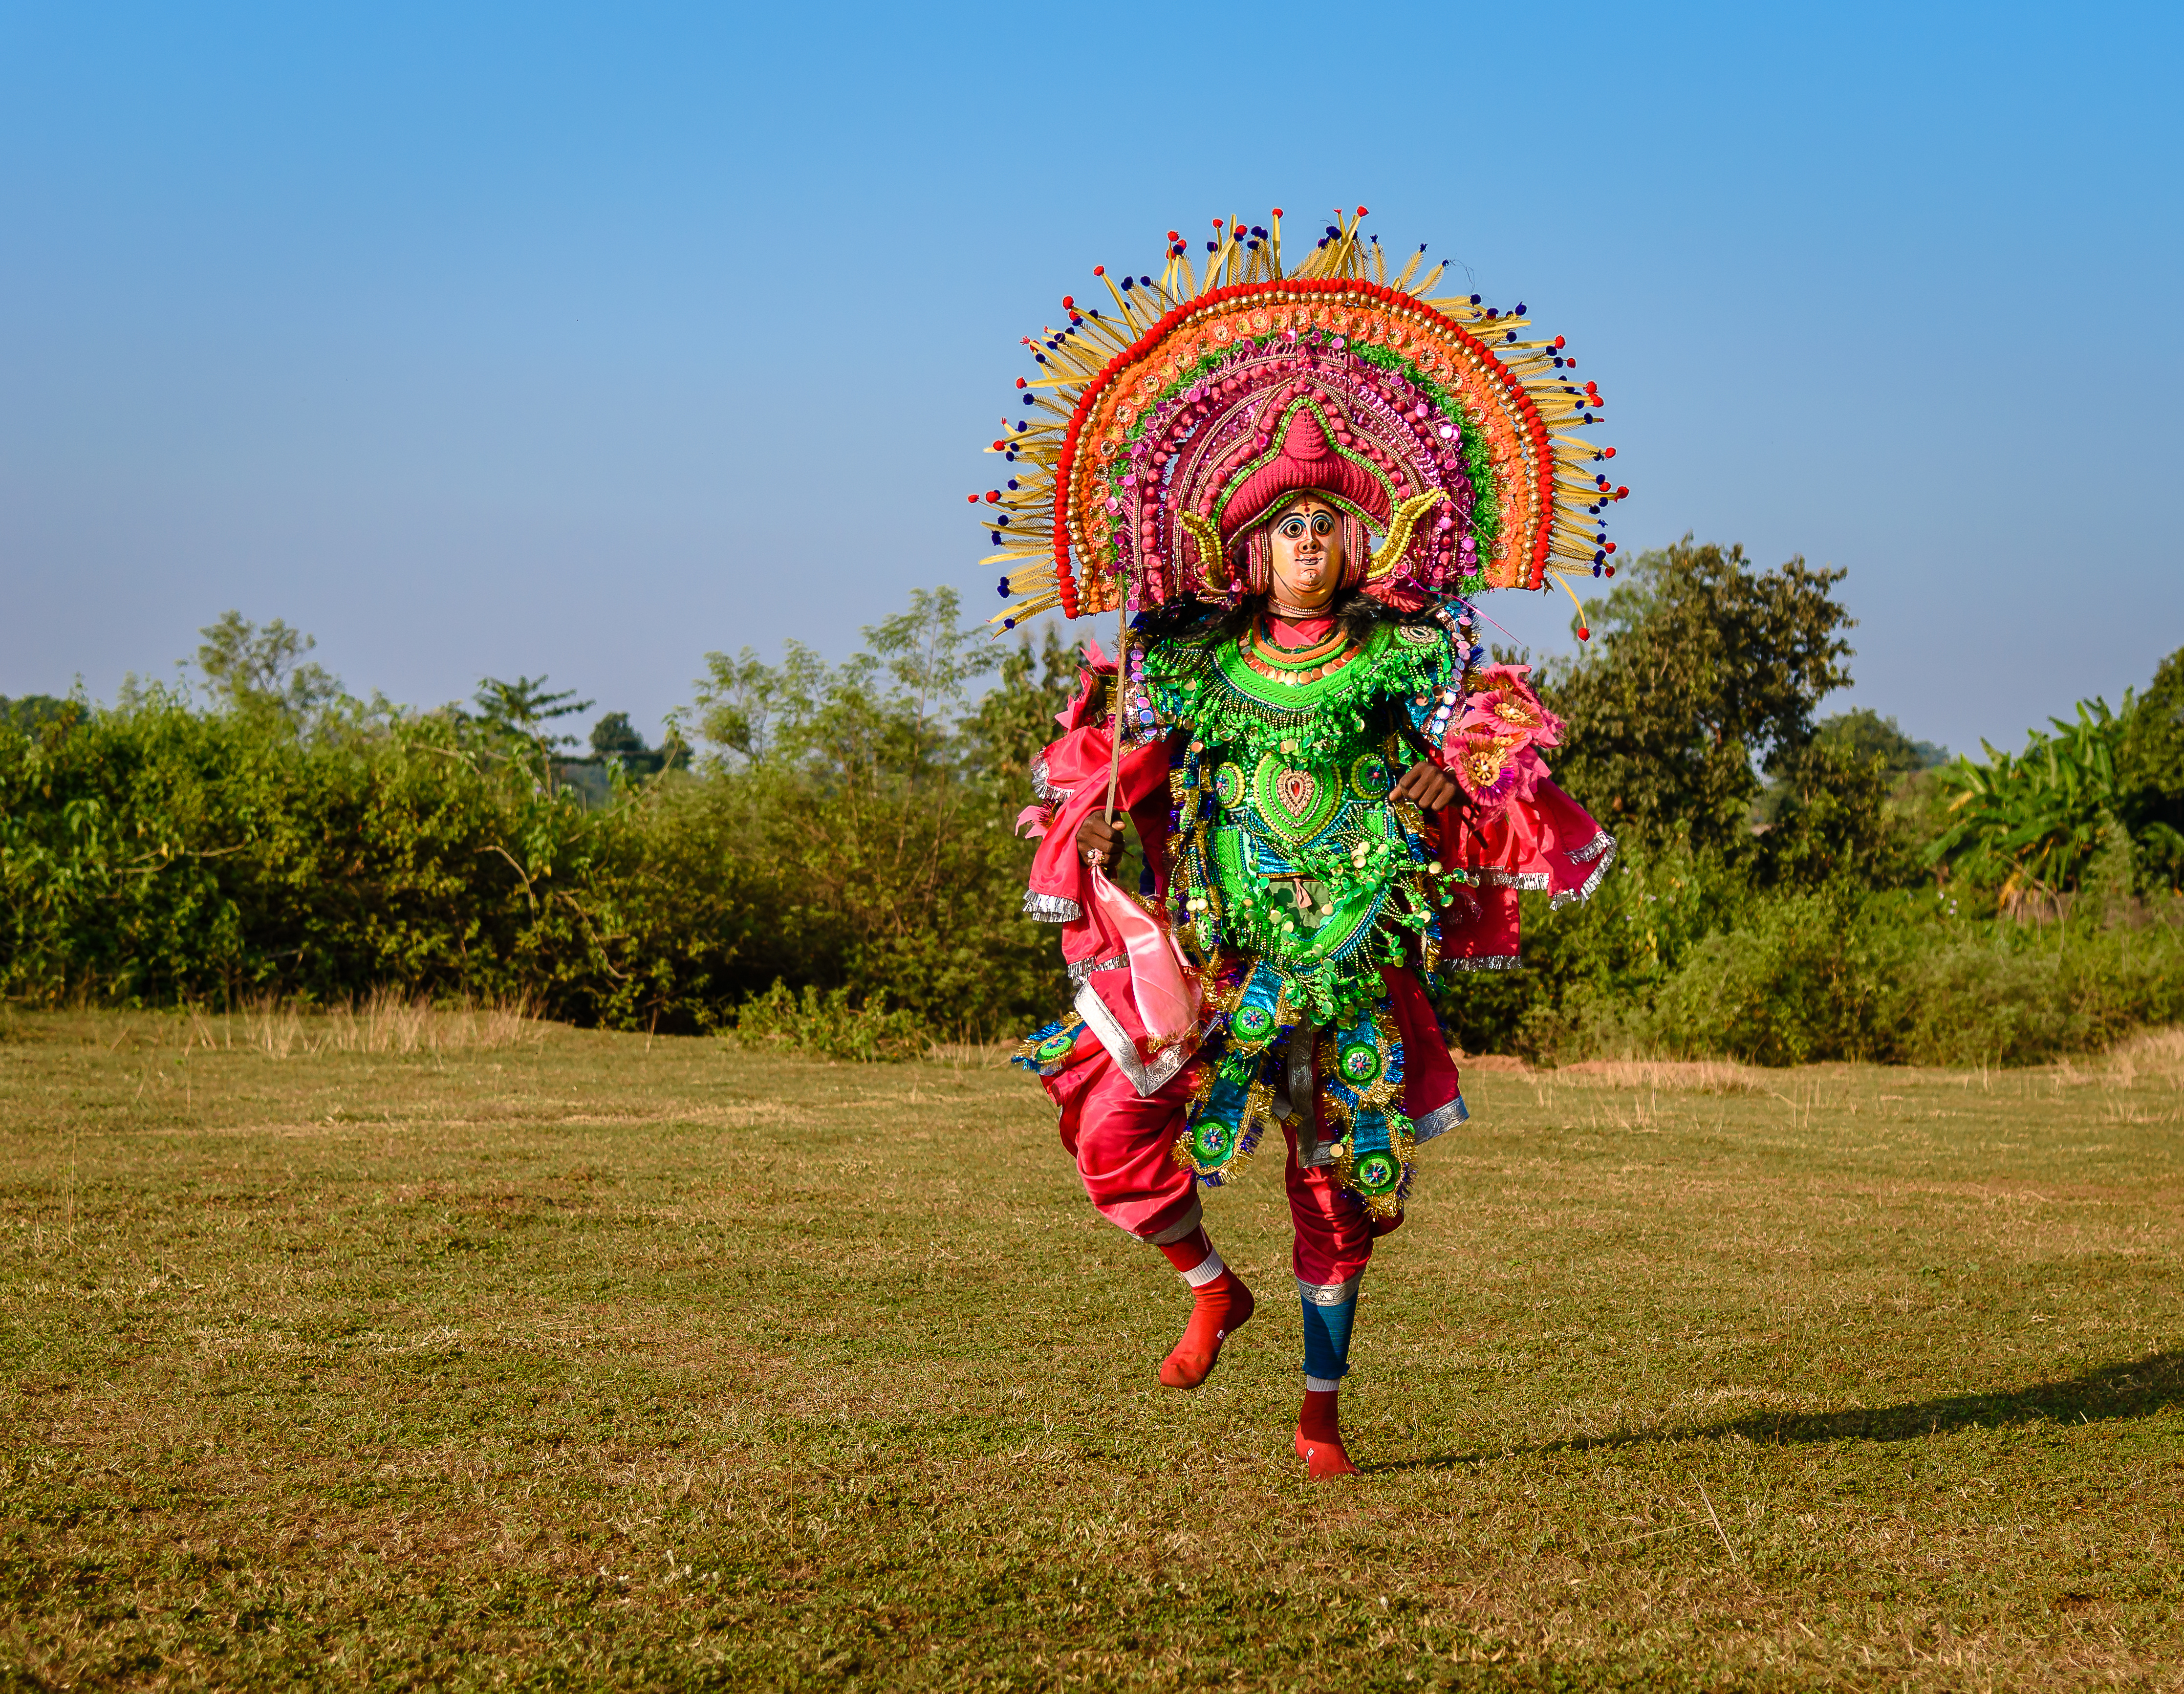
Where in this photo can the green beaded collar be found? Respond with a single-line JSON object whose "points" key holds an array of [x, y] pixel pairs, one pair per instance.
{"points": [[1205, 683]]}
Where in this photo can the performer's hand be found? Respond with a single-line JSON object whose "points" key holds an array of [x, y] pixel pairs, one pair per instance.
{"points": [[1427, 786], [1101, 836]]}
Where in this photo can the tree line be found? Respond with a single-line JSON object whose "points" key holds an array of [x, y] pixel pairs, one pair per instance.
{"points": [[827, 850]]}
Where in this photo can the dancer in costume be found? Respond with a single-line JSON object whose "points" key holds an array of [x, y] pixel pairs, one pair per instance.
{"points": [[1287, 483]]}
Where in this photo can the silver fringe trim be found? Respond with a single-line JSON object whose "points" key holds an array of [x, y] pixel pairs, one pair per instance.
{"points": [[1330, 1293], [1050, 908], [1439, 1118], [1081, 968], [1147, 1077], [1515, 879], [1603, 844], [1493, 961], [1600, 843], [1043, 786]]}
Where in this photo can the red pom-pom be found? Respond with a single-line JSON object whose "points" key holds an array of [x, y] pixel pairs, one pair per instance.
{"points": [[1172, 236], [998, 446], [1623, 493], [1611, 570], [974, 498], [1277, 211], [1608, 453], [1610, 547], [1585, 635], [1021, 383], [1099, 271], [1361, 211], [1559, 341], [1068, 302], [993, 497]]}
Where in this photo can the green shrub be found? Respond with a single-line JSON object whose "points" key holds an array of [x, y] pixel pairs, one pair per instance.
{"points": [[850, 831], [1790, 978], [826, 1026]]}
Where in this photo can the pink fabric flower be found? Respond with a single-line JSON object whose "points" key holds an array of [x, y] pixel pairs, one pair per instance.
{"points": [[1492, 749]]}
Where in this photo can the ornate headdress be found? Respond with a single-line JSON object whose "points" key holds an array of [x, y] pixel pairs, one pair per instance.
{"points": [[1162, 434]]}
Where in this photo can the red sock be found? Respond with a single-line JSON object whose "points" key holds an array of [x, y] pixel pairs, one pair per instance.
{"points": [[1319, 1436], [1220, 1306]]}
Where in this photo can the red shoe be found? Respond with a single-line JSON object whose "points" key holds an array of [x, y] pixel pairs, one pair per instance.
{"points": [[1217, 1310], [1324, 1459], [1319, 1436]]}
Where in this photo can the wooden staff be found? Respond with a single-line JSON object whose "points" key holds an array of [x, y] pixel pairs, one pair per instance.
{"points": [[1122, 673]]}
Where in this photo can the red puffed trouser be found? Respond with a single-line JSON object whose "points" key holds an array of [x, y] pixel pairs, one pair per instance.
{"points": [[1123, 1141]]}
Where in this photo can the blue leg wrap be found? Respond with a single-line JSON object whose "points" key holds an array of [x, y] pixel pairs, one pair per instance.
{"points": [[1326, 1338]]}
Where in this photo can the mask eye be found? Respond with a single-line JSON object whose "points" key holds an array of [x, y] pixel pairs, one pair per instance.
{"points": [[1322, 523], [1292, 527]]}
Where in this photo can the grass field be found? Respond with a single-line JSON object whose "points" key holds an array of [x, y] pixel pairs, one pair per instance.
{"points": [[532, 1358]]}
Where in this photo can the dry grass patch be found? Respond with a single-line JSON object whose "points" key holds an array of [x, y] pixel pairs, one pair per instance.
{"points": [[1694, 1076], [386, 1021], [2156, 1056]]}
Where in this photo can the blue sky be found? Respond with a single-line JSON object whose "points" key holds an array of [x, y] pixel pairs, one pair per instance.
{"points": [[583, 340]]}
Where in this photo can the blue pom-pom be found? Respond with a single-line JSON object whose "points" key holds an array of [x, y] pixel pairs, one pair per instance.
{"points": [[1474, 299], [1008, 623]]}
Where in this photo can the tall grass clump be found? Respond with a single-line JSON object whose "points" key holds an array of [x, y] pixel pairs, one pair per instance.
{"points": [[385, 1021]]}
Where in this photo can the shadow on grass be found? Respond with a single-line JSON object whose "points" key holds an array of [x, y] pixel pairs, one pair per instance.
{"points": [[2139, 1389]]}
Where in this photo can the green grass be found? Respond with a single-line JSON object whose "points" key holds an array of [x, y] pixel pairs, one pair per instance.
{"points": [[586, 1361]]}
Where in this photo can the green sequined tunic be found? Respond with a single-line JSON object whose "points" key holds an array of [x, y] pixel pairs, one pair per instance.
{"points": [[1288, 850], [1293, 878]]}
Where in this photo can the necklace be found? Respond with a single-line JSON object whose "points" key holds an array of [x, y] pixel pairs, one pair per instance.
{"points": [[1293, 665], [1279, 610]]}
